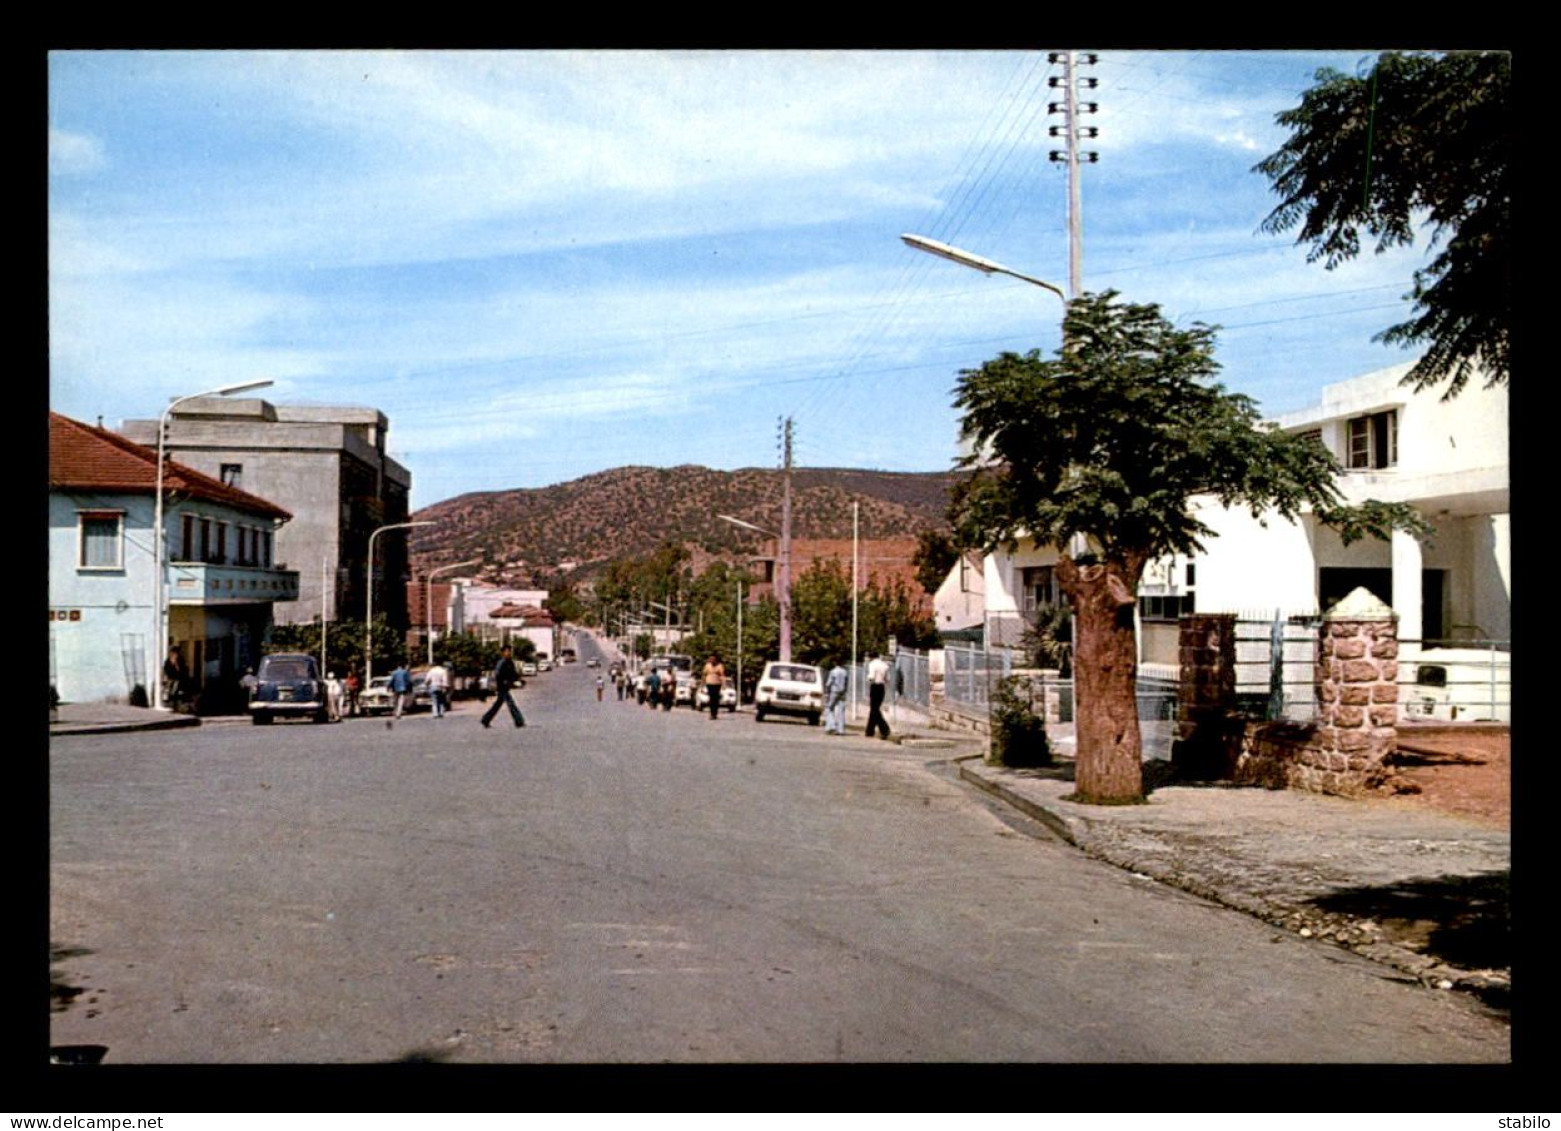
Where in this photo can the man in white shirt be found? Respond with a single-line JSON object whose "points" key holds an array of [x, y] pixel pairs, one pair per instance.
{"points": [[439, 689], [877, 686]]}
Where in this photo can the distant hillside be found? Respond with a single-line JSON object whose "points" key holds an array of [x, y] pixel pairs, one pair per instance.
{"points": [[572, 527]]}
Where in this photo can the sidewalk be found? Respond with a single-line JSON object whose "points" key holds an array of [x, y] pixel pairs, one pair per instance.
{"points": [[1424, 892], [112, 718]]}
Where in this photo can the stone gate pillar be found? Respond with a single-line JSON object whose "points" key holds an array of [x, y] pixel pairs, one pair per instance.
{"points": [[1206, 651], [1357, 696]]}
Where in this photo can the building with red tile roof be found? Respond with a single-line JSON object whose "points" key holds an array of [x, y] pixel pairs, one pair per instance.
{"points": [[219, 586]]}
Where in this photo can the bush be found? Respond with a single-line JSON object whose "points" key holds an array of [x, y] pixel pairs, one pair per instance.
{"points": [[1018, 733]]}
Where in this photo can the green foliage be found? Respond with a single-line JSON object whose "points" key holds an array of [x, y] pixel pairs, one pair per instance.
{"points": [[1018, 733], [1420, 136], [1114, 436], [466, 654], [565, 604], [1048, 641], [345, 643], [935, 556]]}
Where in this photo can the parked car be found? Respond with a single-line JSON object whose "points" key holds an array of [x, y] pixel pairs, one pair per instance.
{"points": [[790, 689], [728, 697], [288, 684], [378, 699], [1460, 685], [528, 668]]}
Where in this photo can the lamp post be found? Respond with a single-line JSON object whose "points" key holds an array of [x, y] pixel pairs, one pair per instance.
{"points": [[980, 263], [428, 601], [369, 620], [159, 619], [989, 267], [782, 584]]}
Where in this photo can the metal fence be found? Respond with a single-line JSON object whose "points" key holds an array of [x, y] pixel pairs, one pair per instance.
{"points": [[971, 677], [1276, 666], [1455, 680]]}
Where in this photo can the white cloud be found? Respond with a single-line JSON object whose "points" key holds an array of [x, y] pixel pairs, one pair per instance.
{"points": [[74, 154]]}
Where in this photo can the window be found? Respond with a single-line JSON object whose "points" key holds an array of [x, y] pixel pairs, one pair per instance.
{"points": [[222, 542], [1037, 587], [1165, 608], [233, 475], [205, 540], [1373, 441], [101, 536], [187, 537]]}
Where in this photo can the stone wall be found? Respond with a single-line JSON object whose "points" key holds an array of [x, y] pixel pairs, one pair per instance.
{"points": [[1345, 751]]}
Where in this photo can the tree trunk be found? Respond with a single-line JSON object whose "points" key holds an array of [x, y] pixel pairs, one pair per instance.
{"points": [[1105, 678]]}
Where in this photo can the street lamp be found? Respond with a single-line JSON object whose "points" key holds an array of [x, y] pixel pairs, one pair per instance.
{"points": [[782, 582], [369, 621], [159, 626], [428, 595], [990, 267], [969, 259]]}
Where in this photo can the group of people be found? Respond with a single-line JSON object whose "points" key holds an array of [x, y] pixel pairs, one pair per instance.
{"points": [[837, 685], [660, 685]]}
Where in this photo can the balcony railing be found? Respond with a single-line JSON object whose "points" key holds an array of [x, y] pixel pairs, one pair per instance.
{"points": [[199, 583]]}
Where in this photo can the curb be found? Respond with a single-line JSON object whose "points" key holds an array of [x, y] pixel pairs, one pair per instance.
{"points": [[1493, 986], [121, 728]]}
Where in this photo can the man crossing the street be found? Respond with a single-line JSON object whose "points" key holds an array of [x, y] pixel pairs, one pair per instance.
{"points": [[505, 677]]}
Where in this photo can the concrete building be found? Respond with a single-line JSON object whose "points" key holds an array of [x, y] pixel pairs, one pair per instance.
{"points": [[221, 580], [1449, 460], [330, 467], [959, 605], [884, 562]]}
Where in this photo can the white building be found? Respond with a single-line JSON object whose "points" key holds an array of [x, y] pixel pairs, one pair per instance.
{"points": [[220, 580], [1449, 460]]}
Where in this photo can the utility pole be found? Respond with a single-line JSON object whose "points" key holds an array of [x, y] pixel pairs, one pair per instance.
{"points": [[1070, 107], [784, 586]]}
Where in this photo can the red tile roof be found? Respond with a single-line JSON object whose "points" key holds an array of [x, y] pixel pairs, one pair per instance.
{"points": [[84, 458]]}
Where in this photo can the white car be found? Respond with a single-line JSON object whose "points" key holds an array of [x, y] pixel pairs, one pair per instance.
{"points": [[790, 689], [728, 697], [1459, 685]]}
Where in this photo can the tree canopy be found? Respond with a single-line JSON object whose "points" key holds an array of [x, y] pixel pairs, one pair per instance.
{"points": [[1111, 440], [1113, 437], [1420, 139]]}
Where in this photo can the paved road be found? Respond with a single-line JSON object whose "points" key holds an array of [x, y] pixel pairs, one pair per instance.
{"points": [[613, 884]]}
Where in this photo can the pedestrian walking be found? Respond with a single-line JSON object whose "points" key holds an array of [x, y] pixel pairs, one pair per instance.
{"points": [[669, 690], [835, 687], [438, 682], [618, 680], [335, 695], [601, 684], [354, 686], [715, 679], [505, 678], [652, 689], [401, 692], [249, 682], [877, 686]]}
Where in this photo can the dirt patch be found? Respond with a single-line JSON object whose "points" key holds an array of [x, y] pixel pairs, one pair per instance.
{"points": [[1465, 775]]}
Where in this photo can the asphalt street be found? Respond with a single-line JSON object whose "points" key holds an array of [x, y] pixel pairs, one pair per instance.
{"points": [[617, 885]]}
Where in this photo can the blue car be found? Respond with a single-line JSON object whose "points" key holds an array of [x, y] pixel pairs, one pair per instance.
{"points": [[288, 684]]}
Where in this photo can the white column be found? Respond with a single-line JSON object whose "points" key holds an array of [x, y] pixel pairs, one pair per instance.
{"points": [[1407, 598]]}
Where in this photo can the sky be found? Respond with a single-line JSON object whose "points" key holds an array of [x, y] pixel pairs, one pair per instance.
{"points": [[540, 265]]}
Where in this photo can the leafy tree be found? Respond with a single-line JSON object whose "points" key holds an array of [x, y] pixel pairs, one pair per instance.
{"points": [[1109, 442], [345, 643], [466, 654], [1420, 135], [935, 556], [565, 604]]}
